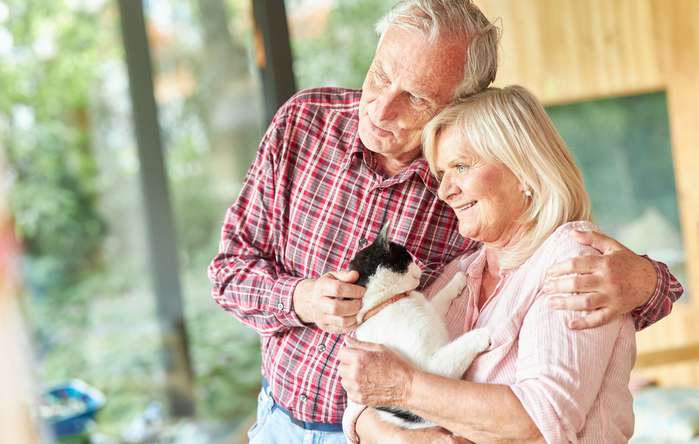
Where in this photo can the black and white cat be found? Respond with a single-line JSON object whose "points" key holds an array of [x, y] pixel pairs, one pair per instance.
{"points": [[397, 316]]}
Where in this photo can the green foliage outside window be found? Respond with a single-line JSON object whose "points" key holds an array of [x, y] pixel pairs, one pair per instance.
{"points": [[336, 50], [75, 187]]}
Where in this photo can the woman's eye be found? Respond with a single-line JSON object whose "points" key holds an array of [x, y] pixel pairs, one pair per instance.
{"points": [[461, 168]]}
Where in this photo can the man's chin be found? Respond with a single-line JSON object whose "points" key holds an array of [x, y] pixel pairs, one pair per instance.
{"points": [[374, 143]]}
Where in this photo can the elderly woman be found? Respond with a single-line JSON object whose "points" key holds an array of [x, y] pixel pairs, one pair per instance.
{"points": [[514, 186]]}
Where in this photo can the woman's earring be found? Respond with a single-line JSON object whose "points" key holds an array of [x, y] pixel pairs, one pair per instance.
{"points": [[528, 193]]}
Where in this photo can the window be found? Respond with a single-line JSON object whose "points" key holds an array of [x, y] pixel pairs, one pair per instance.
{"points": [[210, 111], [623, 147], [76, 202], [76, 198], [333, 41]]}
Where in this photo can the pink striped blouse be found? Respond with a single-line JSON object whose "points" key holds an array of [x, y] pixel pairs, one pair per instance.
{"points": [[573, 384]]}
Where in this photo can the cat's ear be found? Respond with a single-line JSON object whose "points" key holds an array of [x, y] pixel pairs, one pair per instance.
{"points": [[383, 235]]}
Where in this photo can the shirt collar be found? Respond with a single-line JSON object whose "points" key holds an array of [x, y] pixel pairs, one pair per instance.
{"points": [[473, 264], [356, 147], [418, 167], [421, 169]]}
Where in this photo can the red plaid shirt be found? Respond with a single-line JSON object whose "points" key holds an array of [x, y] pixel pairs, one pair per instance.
{"points": [[311, 200]]}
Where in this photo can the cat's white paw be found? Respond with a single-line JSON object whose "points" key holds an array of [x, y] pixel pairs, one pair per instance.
{"points": [[480, 338], [459, 280]]}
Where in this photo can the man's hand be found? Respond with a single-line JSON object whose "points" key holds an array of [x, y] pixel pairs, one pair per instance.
{"points": [[331, 301], [608, 285], [373, 375]]}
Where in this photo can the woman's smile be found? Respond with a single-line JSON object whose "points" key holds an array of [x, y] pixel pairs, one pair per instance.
{"points": [[463, 208]]}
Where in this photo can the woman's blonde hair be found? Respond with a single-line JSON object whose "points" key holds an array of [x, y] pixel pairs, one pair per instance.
{"points": [[509, 126]]}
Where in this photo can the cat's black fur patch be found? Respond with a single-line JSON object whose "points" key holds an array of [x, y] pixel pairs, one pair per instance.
{"points": [[402, 414], [382, 252]]}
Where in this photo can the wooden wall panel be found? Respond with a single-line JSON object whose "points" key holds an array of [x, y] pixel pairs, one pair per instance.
{"points": [[678, 37], [571, 50], [566, 50]]}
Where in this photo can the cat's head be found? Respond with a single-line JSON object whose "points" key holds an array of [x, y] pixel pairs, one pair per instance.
{"points": [[386, 266]]}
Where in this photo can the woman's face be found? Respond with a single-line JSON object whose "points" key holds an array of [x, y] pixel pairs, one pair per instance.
{"points": [[486, 197]]}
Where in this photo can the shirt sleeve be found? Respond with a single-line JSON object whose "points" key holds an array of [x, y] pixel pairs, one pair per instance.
{"points": [[246, 279], [560, 371], [667, 291]]}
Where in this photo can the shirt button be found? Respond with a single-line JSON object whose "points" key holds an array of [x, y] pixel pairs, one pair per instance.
{"points": [[321, 347], [303, 398], [362, 242], [280, 306]]}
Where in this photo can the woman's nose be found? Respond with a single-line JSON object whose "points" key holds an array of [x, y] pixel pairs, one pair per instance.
{"points": [[447, 189]]}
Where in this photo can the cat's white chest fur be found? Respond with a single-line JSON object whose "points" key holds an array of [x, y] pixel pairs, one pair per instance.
{"points": [[410, 326]]}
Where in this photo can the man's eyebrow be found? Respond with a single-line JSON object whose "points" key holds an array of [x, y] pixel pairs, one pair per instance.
{"points": [[379, 69], [423, 94], [417, 91]]}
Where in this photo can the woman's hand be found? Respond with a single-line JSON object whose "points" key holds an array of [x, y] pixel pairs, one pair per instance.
{"points": [[373, 375], [372, 430]]}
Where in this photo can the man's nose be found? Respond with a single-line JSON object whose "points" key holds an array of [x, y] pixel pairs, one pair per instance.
{"points": [[385, 106]]}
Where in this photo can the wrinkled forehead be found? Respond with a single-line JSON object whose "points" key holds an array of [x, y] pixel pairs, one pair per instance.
{"points": [[434, 66]]}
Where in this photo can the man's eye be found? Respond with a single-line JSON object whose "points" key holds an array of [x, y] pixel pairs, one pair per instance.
{"points": [[417, 101]]}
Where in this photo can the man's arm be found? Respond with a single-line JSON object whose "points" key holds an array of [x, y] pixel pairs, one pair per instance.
{"points": [[667, 291], [246, 279], [617, 282]]}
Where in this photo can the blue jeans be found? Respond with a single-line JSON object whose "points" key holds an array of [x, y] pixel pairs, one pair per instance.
{"points": [[274, 427]]}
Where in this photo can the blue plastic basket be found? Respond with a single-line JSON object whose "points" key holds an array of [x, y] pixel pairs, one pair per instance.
{"points": [[76, 423]]}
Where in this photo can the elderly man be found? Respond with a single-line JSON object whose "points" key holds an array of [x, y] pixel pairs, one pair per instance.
{"points": [[332, 168]]}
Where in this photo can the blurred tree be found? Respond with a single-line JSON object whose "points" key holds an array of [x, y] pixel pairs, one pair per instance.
{"points": [[61, 124], [334, 41], [44, 105]]}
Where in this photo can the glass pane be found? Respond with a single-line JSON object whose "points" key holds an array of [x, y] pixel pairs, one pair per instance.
{"points": [[75, 198], [333, 41], [623, 148], [210, 110]]}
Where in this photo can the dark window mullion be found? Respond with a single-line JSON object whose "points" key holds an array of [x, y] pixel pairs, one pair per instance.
{"points": [[162, 245], [274, 58]]}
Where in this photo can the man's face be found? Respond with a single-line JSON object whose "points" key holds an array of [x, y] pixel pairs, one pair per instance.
{"points": [[409, 81]]}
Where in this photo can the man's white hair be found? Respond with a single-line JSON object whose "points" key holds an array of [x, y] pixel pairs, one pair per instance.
{"points": [[437, 18]]}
